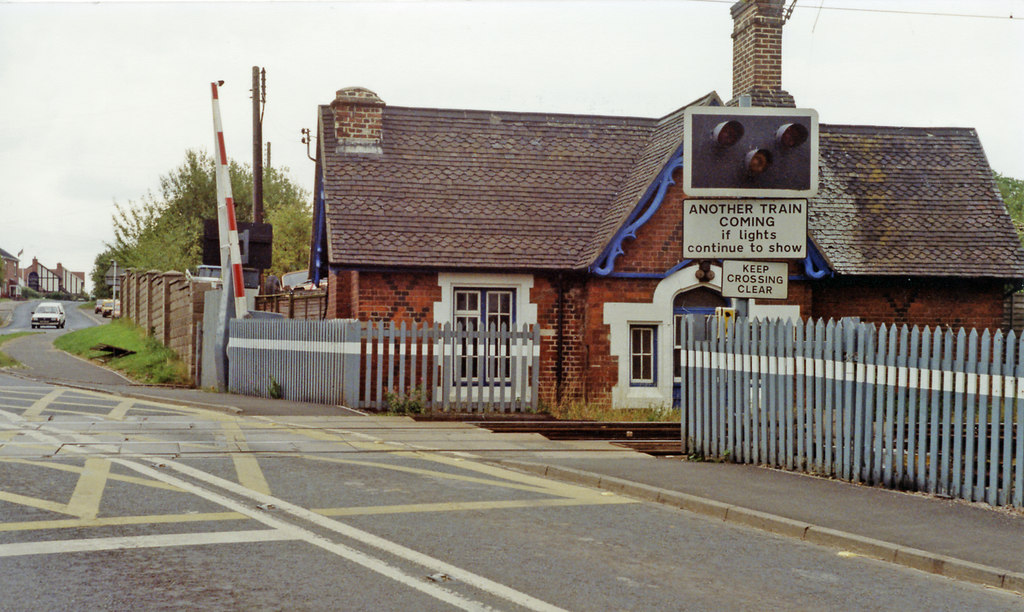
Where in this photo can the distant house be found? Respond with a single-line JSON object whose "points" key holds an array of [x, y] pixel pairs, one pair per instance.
{"points": [[8, 275], [45, 280], [574, 223]]}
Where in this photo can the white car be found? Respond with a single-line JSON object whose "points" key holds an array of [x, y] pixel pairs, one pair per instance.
{"points": [[48, 313]]}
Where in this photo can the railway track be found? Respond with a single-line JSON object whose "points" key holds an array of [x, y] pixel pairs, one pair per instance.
{"points": [[647, 437]]}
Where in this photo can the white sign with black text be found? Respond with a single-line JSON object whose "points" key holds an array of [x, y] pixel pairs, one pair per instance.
{"points": [[766, 280], [745, 229]]}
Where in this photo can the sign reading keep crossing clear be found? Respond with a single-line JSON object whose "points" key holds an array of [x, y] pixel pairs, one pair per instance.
{"points": [[767, 280], [745, 229]]}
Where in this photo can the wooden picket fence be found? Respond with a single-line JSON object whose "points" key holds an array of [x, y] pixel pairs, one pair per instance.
{"points": [[920, 409], [380, 365], [450, 368]]}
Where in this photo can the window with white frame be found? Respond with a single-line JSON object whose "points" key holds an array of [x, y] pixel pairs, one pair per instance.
{"points": [[479, 313], [642, 355]]}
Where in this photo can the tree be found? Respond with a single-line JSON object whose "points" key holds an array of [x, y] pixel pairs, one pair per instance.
{"points": [[1012, 191], [163, 231]]}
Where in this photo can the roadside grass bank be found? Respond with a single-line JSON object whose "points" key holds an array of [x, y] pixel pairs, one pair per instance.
{"points": [[150, 361], [5, 360]]}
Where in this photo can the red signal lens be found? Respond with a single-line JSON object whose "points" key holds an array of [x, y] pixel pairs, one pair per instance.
{"points": [[728, 133], [758, 161], [791, 135]]}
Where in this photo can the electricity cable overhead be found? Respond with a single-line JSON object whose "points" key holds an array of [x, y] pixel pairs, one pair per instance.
{"points": [[881, 11]]}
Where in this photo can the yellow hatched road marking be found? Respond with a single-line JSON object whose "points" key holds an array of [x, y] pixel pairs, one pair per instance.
{"points": [[119, 411], [250, 475], [596, 500], [156, 484], [114, 521], [36, 409], [33, 502], [508, 479], [85, 500]]}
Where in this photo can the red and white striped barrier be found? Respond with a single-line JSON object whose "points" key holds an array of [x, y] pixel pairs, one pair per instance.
{"points": [[226, 211]]}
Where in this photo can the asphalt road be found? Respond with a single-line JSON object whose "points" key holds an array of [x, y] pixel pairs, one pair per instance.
{"points": [[77, 318], [111, 503], [46, 363]]}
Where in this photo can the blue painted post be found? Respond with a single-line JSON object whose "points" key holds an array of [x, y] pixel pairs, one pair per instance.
{"points": [[925, 411], [947, 417], [1018, 478], [888, 423], [913, 378], [878, 414], [788, 390], [971, 368], [859, 462], [715, 406], [819, 397], [849, 385], [960, 387], [747, 403], [997, 401], [690, 390], [1009, 393], [800, 366], [757, 390], [771, 409], [902, 384], [984, 393], [934, 411], [829, 413]]}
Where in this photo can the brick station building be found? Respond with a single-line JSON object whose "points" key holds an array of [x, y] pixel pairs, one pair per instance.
{"points": [[574, 223]]}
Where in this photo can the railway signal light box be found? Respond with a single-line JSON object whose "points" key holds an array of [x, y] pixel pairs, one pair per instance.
{"points": [[749, 152]]}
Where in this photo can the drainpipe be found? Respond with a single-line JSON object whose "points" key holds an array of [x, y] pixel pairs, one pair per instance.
{"points": [[560, 340]]}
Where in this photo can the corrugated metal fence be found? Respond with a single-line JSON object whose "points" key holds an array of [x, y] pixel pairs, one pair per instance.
{"points": [[380, 364], [921, 409]]}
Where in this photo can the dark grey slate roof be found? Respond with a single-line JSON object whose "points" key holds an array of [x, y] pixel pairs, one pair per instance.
{"points": [[5, 255], [500, 190], [911, 201], [477, 189]]}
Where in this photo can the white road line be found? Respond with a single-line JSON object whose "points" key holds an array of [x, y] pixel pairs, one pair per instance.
{"points": [[150, 541], [298, 533]]}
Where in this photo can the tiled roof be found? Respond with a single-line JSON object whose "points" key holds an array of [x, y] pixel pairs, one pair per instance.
{"points": [[500, 190], [5, 255], [477, 189], [911, 201]]}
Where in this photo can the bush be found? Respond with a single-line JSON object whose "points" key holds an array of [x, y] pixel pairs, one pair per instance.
{"points": [[410, 403]]}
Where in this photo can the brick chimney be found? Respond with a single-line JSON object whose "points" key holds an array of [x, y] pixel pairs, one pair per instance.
{"points": [[757, 53], [358, 121]]}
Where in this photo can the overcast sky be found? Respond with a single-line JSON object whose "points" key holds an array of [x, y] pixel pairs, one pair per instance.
{"points": [[99, 99]]}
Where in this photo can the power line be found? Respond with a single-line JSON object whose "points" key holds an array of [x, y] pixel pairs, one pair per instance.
{"points": [[881, 11]]}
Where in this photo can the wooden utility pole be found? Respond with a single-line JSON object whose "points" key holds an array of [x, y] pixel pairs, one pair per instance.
{"points": [[258, 96]]}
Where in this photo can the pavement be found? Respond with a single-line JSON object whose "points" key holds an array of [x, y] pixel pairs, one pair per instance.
{"points": [[964, 541]]}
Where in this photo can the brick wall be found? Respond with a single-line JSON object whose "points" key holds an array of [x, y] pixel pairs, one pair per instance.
{"points": [[396, 296], [342, 294], [948, 302], [602, 370]]}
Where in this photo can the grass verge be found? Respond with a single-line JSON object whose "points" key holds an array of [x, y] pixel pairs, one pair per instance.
{"points": [[151, 362], [581, 411], [5, 360]]}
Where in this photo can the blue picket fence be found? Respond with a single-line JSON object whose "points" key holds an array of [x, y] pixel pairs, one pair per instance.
{"points": [[362, 364], [919, 409]]}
